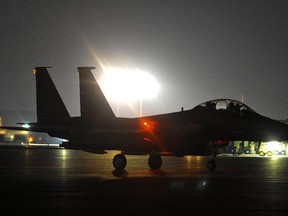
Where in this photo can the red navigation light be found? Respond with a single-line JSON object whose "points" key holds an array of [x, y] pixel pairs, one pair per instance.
{"points": [[147, 125], [221, 142]]}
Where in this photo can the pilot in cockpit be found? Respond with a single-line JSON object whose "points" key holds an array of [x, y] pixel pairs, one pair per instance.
{"points": [[235, 107]]}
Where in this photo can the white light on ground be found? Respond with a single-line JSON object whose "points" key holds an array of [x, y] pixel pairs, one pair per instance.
{"points": [[26, 126]]}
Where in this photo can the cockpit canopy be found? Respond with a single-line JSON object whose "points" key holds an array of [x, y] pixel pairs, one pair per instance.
{"points": [[225, 104]]}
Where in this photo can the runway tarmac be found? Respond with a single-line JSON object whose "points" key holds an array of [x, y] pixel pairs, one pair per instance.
{"points": [[53, 181]]}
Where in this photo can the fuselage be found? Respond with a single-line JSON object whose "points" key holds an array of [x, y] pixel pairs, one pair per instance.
{"points": [[185, 132]]}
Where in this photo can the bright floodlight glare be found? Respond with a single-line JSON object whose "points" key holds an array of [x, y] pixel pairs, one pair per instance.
{"points": [[128, 85]]}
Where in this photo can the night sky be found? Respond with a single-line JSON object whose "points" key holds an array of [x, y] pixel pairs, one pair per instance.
{"points": [[197, 50]]}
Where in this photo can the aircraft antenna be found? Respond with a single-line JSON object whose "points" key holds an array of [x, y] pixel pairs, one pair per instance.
{"points": [[242, 98]]}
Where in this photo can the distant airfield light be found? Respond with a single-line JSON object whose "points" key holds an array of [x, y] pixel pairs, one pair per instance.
{"points": [[26, 126], [30, 139], [128, 85]]}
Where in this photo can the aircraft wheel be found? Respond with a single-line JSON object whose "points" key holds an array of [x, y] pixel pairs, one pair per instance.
{"points": [[119, 162], [211, 165], [154, 161], [269, 153]]}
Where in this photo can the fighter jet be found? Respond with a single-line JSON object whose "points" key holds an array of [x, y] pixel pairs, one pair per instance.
{"points": [[200, 131]]}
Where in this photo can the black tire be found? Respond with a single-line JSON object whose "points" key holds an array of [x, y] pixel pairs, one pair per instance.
{"points": [[155, 161], [119, 162], [211, 165]]}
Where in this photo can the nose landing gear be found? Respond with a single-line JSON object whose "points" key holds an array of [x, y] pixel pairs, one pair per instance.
{"points": [[211, 164]]}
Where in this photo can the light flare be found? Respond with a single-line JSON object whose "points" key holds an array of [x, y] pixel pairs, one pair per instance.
{"points": [[128, 85]]}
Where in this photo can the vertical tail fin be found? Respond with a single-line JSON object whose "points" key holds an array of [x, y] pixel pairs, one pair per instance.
{"points": [[93, 104], [50, 107]]}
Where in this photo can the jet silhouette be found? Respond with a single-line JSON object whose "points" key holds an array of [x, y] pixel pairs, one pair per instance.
{"points": [[198, 131]]}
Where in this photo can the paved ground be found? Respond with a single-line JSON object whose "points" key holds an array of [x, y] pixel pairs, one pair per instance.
{"points": [[54, 181]]}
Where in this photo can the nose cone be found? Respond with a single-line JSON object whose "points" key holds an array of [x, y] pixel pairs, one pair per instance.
{"points": [[266, 129]]}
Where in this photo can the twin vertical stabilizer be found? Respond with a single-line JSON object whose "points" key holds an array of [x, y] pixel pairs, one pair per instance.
{"points": [[50, 107], [93, 104]]}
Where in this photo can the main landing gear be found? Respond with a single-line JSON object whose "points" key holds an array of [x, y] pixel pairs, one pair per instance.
{"points": [[120, 162], [211, 164]]}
